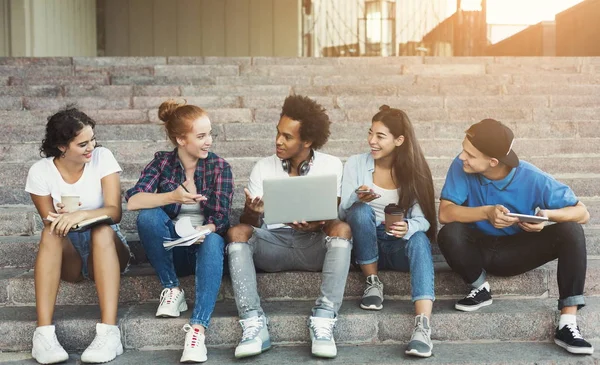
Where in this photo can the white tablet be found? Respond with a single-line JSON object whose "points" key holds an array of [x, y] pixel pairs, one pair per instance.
{"points": [[300, 198], [528, 218]]}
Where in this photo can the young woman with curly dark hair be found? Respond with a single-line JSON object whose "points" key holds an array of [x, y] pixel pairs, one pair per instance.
{"points": [[75, 166]]}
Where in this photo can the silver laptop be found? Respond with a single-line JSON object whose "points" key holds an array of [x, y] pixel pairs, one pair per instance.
{"points": [[300, 198]]}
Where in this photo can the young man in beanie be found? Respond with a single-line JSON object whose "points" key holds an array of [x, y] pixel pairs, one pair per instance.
{"points": [[484, 183]]}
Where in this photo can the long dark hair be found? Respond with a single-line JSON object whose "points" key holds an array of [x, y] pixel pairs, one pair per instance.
{"points": [[410, 170], [61, 128]]}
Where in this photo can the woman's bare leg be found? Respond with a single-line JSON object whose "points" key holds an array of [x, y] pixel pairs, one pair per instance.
{"points": [[49, 269]]}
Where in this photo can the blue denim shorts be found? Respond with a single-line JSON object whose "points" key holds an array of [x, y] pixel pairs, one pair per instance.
{"points": [[81, 241]]}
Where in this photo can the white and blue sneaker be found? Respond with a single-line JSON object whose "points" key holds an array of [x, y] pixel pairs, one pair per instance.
{"points": [[255, 336], [321, 334]]}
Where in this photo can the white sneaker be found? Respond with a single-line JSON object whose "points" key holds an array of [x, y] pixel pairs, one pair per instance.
{"points": [[321, 335], [172, 303], [46, 348], [194, 349], [255, 336], [106, 345]]}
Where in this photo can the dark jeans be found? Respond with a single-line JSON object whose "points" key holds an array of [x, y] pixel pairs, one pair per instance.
{"points": [[471, 254]]}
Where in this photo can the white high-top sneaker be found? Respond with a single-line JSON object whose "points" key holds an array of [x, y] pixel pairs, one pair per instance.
{"points": [[172, 303], [194, 349], [321, 335], [106, 345], [46, 348], [255, 336]]}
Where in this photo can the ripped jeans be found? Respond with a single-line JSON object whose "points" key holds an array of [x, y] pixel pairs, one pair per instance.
{"points": [[285, 249]]}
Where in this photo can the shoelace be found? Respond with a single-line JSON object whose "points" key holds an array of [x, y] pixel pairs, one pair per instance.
{"points": [[375, 284], [322, 327], [167, 296], [574, 331], [194, 338], [420, 329], [250, 327], [474, 292]]}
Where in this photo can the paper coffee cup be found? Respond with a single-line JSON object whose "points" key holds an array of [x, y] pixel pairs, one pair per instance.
{"points": [[393, 214], [71, 202]]}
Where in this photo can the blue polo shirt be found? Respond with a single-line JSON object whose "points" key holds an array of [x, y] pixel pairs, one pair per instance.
{"points": [[523, 190]]}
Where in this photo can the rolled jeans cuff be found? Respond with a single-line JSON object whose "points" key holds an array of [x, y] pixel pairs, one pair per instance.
{"points": [[366, 262], [577, 300], [200, 322], [423, 297]]}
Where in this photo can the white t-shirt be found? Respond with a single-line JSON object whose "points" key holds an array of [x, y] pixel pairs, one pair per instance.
{"points": [[269, 167], [388, 196], [44, 179]]}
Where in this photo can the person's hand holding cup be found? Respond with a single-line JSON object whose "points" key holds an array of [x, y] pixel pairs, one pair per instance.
{"points": [[394, 221]]}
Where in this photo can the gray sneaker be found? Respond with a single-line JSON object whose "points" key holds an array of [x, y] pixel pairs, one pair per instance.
{"points": [[255, 336], [420, 342], [372, 298]]}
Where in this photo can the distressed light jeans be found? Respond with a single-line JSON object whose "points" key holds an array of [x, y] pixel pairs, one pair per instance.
{"points": [[285, 249]]}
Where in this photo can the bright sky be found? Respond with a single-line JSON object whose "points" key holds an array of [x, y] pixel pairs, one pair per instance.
{"points": [[507, 17], [525, 11]]}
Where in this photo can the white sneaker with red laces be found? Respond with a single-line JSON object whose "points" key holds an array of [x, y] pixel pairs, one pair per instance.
{"points": [[194, 349], [172, 303]]}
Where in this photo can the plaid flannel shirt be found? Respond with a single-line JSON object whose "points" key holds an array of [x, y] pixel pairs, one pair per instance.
{"points": [[213, 179]]}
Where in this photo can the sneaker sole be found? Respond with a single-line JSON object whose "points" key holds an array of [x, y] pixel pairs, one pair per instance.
{"points": [[193, 360], [55, 361], [324, 354], [471, 308], [118, 352], [182, 308], [417, 353], [575, 350], [266, 346], [372, 307]]}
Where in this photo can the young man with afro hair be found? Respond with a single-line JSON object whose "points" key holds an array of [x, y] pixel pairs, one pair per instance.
{"points": [[303, 128]]}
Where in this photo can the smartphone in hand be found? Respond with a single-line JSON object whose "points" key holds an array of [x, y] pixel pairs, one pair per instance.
{"points": [[372, 193]]}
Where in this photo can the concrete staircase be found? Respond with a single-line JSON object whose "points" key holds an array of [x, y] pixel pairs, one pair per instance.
{"points": [[552, 104]]}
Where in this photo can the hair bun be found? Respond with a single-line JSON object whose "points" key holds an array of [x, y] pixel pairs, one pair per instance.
{"points": [[384, 107], [168, 108]]}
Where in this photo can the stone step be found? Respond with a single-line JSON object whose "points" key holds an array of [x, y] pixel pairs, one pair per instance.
{"points": [[444, 353], [506, 320], [421, 85], [329, 102], [23, 219], [141, 285], [184, 73]]}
